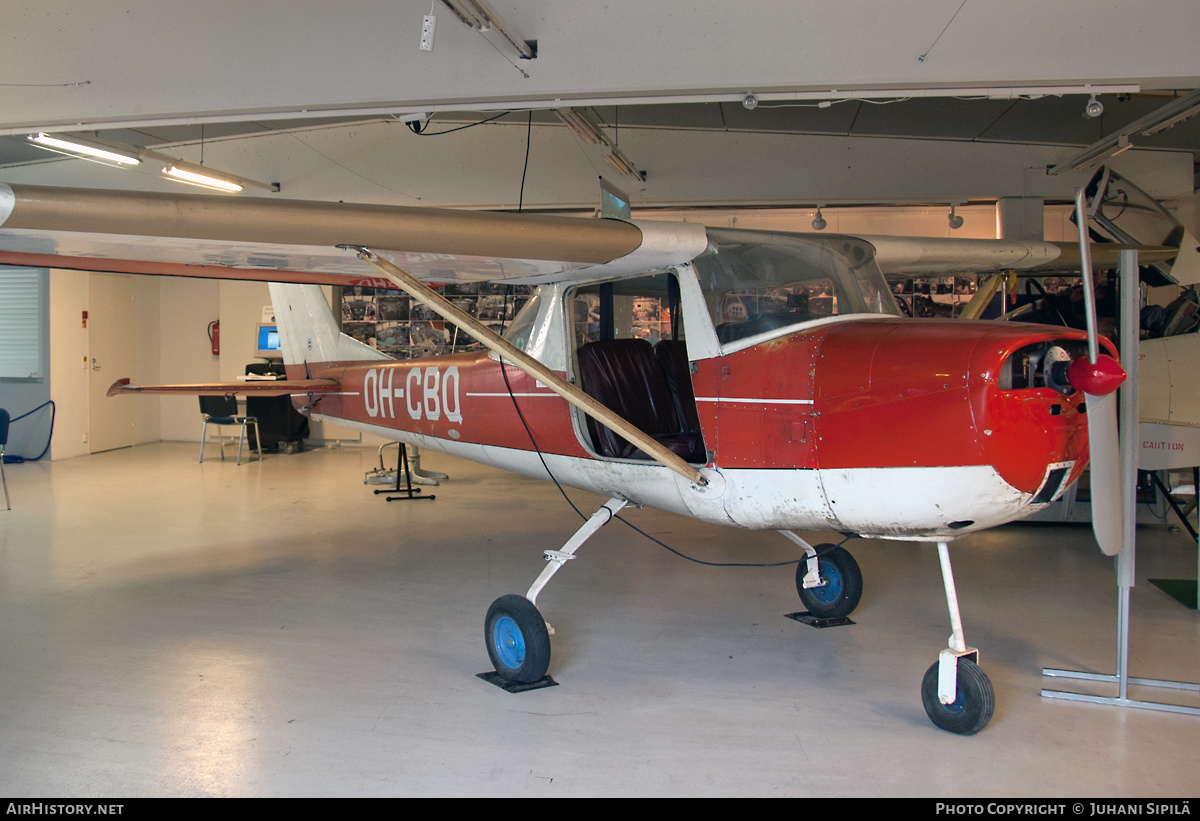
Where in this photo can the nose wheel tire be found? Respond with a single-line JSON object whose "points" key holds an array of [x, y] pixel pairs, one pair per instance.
{"points": [[517, 640], [972, 707], [841, 586]]}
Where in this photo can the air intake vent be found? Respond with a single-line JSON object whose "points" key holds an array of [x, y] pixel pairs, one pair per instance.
{"points": [[1052, 485]]}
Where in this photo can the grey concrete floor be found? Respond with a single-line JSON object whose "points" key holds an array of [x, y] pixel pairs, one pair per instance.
{"points": [[175, 629]]}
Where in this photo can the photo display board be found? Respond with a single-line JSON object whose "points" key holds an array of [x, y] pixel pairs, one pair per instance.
{"points": [[398, 325]]}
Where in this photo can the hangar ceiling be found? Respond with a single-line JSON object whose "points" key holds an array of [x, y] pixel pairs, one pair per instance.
{"points": [[961, 94]]}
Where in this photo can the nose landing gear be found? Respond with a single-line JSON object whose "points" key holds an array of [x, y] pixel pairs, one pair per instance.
{"points": [[957, 695]]}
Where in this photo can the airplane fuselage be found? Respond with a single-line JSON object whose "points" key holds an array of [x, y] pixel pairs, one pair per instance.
{"points": [[877, 426]]}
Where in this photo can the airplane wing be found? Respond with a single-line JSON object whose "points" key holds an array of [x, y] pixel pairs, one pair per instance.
{"points": [[934, 256], [279, 240], [260, 388], [293, 241]]}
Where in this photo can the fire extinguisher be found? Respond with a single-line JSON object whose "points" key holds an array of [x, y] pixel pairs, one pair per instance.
{"points": [[214, 336]]}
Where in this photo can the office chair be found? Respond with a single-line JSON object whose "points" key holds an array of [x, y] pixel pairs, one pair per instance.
{"points": [[4, 418], [221, 411]]}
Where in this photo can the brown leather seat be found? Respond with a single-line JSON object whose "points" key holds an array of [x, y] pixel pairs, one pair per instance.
{"points": [[672, 360], [624, 376]]}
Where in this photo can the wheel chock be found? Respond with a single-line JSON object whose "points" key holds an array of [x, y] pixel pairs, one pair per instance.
{"points": [[808, 618], [492, 677]]}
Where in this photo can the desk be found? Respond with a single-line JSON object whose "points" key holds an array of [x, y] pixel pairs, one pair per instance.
{"points": [[278, 419]]}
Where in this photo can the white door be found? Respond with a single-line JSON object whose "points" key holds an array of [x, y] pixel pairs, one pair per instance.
{"points": [[110, 356]]}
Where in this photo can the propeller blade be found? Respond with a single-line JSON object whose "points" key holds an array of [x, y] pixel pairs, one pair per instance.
{"points": [[1089, 288], [1104, 453], [1108, 514]]}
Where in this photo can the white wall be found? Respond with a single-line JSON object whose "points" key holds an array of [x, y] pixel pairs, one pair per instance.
{"points": [[147, 415], [69, 355], [170, 317], [186, 306], [185, 355]]}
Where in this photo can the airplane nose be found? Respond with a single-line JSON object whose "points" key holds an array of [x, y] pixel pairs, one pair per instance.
{"points": [[1098, 378]]}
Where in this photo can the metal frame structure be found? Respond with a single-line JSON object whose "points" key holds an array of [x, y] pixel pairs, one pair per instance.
{"points": [[1126, 559]]}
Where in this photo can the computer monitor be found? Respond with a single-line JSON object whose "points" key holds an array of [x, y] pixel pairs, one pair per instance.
{"points": [[268, 344]]}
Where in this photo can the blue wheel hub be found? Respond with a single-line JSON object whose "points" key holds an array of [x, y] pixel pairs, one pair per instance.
{"points": [[508, 642], [831, 590], [958, 704]]}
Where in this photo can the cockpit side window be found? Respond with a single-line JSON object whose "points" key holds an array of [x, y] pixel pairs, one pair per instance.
{"points": [[642, 308], [520, 330]]}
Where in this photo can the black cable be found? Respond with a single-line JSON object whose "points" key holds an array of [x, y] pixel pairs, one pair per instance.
{"points": [[532, 441], [424, 133], [525, 170], [820, 553]]}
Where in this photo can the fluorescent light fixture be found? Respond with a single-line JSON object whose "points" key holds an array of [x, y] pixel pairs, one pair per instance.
{"points": [[207, 180], [621, 164], [1173, 121], [581, 126], [477, 15], [208, 177], [73, 147]]}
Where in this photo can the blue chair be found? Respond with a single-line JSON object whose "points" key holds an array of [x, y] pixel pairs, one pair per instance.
{"points": [[222, 411], [4, 419]]}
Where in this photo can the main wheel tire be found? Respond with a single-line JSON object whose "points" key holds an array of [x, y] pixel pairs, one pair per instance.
{"points": [[842, 588], [517, 640], [974, 703]]}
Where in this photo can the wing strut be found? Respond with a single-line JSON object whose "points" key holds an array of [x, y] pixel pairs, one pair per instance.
{"points": [[505, 349]]}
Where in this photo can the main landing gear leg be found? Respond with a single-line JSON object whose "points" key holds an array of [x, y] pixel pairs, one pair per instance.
{"points": [[957, 695], [518, 638], [828, 582]]}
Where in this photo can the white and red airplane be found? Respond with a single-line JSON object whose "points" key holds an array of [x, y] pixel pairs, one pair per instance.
{"points": [[772, 399]]}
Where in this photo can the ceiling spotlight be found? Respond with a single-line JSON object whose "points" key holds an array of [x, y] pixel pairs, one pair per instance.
{"points": [[750, 102], [819, 224], [1094, 108], [955, 220]]}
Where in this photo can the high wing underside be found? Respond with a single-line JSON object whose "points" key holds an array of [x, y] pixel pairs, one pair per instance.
{"points": [[293, 241]]}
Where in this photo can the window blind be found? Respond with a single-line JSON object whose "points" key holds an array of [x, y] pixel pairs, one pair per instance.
{"points": [[20, 323]]}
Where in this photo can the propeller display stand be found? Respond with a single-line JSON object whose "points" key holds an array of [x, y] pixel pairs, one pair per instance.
{"points": [[1126, 558]]}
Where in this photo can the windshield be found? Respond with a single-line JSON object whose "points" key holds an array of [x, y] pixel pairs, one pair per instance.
{"points": [[757, 282]]}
